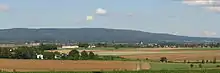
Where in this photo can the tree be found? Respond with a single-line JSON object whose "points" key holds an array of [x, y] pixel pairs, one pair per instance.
{"points": [[5, 53], [49, 55], [184, 61], [116, 47], [214, 60], [74, 55], [47, 47], [200, 65], [25, 53], [103, 44], [203, 61], [207, 61], [84, 55], [91, 55], [84, 45], [163, 59], [191, 65]]}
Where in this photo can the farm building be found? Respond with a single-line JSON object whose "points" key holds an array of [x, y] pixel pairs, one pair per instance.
{"points": [[40, 56], [91, 46], [69, 47]]}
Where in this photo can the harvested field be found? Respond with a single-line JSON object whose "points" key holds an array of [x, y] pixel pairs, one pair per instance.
{"points": [[177, 56], [67, 65], [155, 53], [145, 51]]}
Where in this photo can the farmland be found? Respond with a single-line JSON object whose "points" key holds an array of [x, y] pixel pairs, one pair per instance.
{"points": [[173, 54], [67, 65]]}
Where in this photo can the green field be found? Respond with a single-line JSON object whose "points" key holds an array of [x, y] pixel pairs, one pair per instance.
{"points": [[181, 66]]}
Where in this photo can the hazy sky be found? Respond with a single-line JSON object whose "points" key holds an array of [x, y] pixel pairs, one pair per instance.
{"points": [[160, 16]]}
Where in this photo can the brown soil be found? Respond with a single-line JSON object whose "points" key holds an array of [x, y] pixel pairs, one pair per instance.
{"points": [[209, 55], [67, 65]]}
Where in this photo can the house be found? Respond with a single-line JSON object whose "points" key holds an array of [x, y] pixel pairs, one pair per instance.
{"points": [[69, 47], [91, 46], [40, 56], [57, 56]]}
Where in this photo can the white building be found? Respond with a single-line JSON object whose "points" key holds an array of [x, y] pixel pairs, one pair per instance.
{"points": [[40, 56], [69, 47], [91, 46]]}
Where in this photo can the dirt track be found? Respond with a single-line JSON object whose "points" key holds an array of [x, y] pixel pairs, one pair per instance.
{"points": [[67, 65]]}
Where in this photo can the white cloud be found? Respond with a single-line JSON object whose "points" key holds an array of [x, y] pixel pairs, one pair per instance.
{"points": [[4, 7], [101, 11], [209, 33], [198, 2], [175, 33], [212, 5], [213, 8]]}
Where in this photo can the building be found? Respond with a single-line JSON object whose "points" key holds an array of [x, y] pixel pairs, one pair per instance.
{"points": [[69, 47], [91, 46], [57, 56], [40, 56]]}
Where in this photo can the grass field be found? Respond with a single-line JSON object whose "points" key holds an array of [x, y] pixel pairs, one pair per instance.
{"points": [[181, 66], [169, 66]]}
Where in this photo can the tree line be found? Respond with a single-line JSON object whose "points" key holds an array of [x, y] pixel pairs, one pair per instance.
{"points": [[160, 45], [25, 52]]}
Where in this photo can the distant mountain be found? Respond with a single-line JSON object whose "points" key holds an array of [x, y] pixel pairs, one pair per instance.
{"points": [[91, 35]]}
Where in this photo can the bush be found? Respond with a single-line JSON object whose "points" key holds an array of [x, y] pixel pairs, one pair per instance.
{"points": [[217, 65], [170, 62], [74, 55], [207, 61], [184, 61], [203, 61], [97, 72], [163, 59], [214, 60], [146, 59], [200, 65], [188, 62], [84, 55], [191, 65], [91, 55]]}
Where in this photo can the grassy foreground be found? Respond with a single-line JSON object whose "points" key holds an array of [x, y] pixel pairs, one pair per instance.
{"points": [[181, 66]]}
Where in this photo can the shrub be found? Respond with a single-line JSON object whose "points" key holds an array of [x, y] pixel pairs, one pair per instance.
{"points": [[184, 61], [200, 65], [191, 65], [14, 70], [163, 59], [214, 60], [217, 65], [146, 59], [170, 62], [188, 62], [97, 72], [207, 61], [203, 61]]}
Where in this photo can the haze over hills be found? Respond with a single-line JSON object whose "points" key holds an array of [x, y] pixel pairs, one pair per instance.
{"points": [[91, 35]]}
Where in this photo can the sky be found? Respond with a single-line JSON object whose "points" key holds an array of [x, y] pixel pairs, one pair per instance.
{"points": [[198, 18]]}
